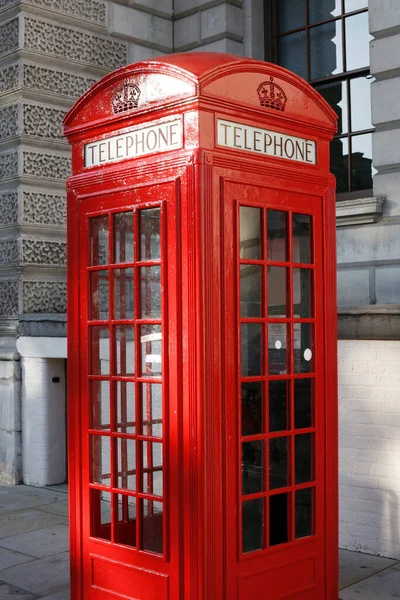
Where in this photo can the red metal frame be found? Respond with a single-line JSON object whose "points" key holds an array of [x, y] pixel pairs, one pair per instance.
{"points": [[200, 187]]}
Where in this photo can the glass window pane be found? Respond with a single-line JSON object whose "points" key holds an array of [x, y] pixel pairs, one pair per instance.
{"points": [[252, 525], [149, 226], [304, 457], [340, 164], [250, 291], [126, 524], [124, 350], [357, 41], [98, 299], [100, 514], [278, 462], [126, 453], [350, 5], [303, 293], [252, 467], [362, 170], [304, 513], [252, 408], [276, 235], [291, 14], [278, 519], [360, 94], [250, 341], [152, 461], [304, 348], [100, 460], [125, 397], [152, 526], [150, 292], [99, 405], [99, 350], [98, 253], [292, 53], [152, 409], [123, 237], [151, 349], [336, 95], [279, 405], [250, 239], [322, 10], [302, 251], [123, 294], [303, 403], [277, 305], [326, 52], [277, 344]]}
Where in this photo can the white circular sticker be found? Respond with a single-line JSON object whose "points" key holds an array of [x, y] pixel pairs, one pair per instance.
{"points": [[307, 354], [278, 345]]}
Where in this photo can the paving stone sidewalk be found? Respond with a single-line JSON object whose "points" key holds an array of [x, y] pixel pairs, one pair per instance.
{"points": [[34, 561]]}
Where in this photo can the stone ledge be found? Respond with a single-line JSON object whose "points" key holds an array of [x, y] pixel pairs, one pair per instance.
{"points": [[359, 211], [369, 322]]}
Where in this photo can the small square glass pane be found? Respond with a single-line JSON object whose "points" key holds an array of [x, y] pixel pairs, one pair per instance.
{"points": [[277, 292], [291, 14], [125, 398], [100, 405], [98, 299], [335, 94], [350, 5], [126, 452], [252, 408], [278, 462], [362, 170], [303, 293], [252, 467], [98, 253], [303, 403], [152, 526], [250, 238], [126, 525], [151, 350], [277, 349], [278, 519], [124, 349], [100, 514], [292, 53], [252, 525], [150, 285], [123, 237], [340, 163], [279, 405], [304, 359], [304, 513], [250, 290], [304, 458], [250, 341], [100, 466], [151, 409], [152, 462], [326, 50], [322, 10], [149, 227], [277, 235], [99, 350], [357, 41], [123, 294], [360, 100], [302, 239]]}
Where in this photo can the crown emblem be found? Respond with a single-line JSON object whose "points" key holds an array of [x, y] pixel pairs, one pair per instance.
{"points": [[126, 97], [272, 95]]}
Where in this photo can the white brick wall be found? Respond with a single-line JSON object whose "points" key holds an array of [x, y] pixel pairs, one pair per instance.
{"points": [[369, 446]]}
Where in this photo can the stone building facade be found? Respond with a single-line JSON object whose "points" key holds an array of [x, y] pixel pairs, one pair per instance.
{"points": [[50, 53]]}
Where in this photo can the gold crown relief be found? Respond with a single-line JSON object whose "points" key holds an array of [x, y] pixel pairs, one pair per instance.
{"points": [[126, 97], [272, 95]]}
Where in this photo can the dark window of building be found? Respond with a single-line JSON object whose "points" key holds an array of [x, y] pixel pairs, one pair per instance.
{"points": [[327, 43]]}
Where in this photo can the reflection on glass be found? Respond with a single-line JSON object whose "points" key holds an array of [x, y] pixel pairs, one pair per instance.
{"points": [[291, 14], [335, 94], [252, 467], [123, 293], [150, 284], [99, 350], [123, 237], [277, 345], [304, 348], [276, 235], [152, 526], [278, 519], [250, 239], [98, 254], [292, 53], [124, 350], [152, 409], [151, 349], [100, 405], [277, 277], [350, 5], [252, 408], [304, 513], [100, 459], [125, 532], [152, 458], [326, 51], [126, 453], [125, 398], [302, 239], [303, 403], [100, 514], [278, 462], [361, 162], [322, 10], [250, 341], [149, 226], [278, 401], [98, 309], [360, 94], [340, 163], [304, 457], [252, 525], [250, 290], [357, 41], [302, 293]]}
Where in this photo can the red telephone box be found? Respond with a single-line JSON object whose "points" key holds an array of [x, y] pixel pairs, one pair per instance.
{"points": [[202, 334]]}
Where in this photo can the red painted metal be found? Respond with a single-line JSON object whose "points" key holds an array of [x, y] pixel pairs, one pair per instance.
{"points": [[146, 137]]}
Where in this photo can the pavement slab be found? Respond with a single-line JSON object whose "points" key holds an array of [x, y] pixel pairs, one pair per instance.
{"points": [[9, 558], [354, 566], [40, 543], [8, 592], [58, 508], [20, 497], [27, 520], [41, 577], [384, 585], [59, 596]]}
